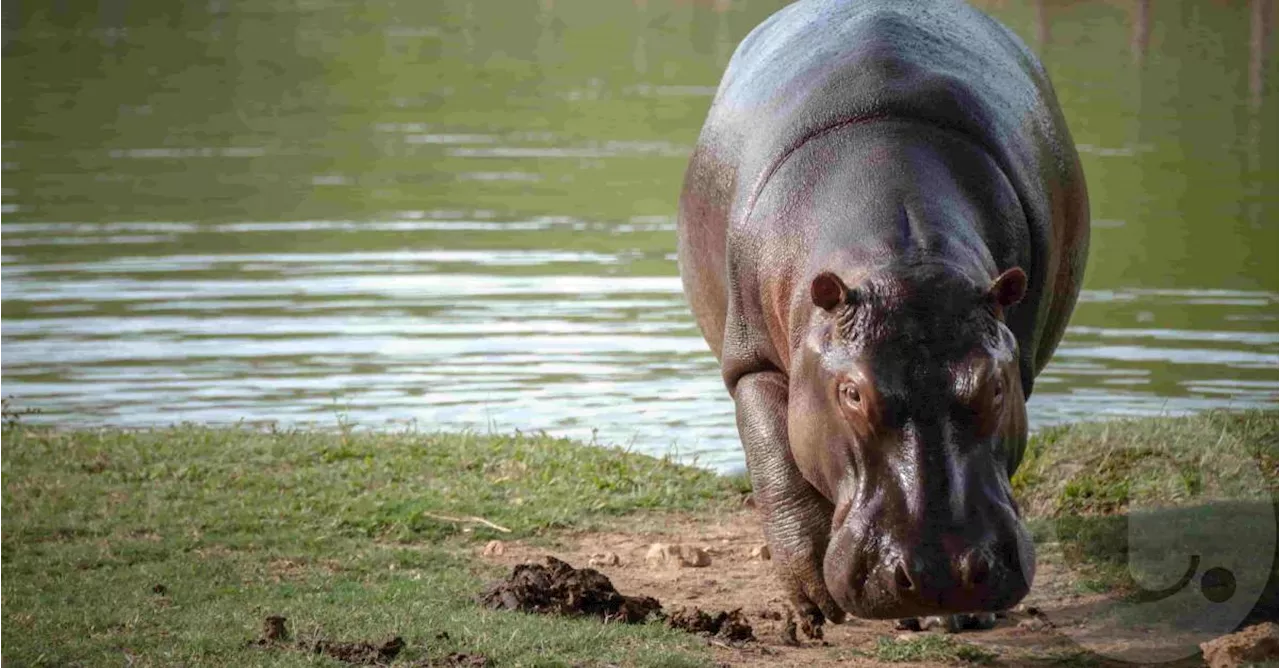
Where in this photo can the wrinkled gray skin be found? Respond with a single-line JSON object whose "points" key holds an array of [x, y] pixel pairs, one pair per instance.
{"points": [[883, 229]]}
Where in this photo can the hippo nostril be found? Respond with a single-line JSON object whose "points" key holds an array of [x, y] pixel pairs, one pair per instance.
{"points": [[902, 578]]}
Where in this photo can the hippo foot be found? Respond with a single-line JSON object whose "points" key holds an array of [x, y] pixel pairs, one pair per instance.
{"points": [[980, 621], [811, 625], [908, 624]]}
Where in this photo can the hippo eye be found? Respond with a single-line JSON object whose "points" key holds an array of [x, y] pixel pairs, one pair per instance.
{"points": [[849, 392]]}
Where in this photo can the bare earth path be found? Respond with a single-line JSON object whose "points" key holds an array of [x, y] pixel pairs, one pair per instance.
{"points": [[736, 579]]}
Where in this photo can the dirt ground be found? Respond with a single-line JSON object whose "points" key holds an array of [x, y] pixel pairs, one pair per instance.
{"points": [[737, 579]]}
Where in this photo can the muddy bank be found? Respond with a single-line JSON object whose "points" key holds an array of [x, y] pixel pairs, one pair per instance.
{"points": [[1061, 621]]}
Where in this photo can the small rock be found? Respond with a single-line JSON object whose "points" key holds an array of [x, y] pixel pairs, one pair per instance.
{"points": [[494, 548], [657, 554], [761, 552], [1035, 624], [685, 556], [604, 559], [1256, 644], [694, 557], [1027, 610]]}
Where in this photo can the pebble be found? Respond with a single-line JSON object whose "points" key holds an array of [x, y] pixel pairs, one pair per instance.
{"points": [[685, 556], [604, 559], [1035, 624]]}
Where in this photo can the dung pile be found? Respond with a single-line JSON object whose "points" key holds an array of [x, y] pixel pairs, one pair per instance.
{"points": [[731, 625], [556, 588]]}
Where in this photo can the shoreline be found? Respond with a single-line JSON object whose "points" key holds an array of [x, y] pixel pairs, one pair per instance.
{"points": [[171, 545]]}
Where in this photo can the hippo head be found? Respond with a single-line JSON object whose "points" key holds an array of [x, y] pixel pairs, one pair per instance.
{"points": [[907, 411]]}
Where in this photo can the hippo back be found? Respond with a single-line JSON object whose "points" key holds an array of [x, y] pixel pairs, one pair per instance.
{"points": [[819, 65]]}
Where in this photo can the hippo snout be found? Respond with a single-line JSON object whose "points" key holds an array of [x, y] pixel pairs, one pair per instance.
{"points": [[975, 580], [913, 578]]}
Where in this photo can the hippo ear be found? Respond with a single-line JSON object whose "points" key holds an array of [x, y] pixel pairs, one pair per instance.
{"points": [[828, 291], [1009, 288]]}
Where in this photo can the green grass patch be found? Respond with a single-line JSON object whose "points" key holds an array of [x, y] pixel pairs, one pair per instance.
{"points": [[1131, 505], [1103, 468], [169, 546], [930, 647]]}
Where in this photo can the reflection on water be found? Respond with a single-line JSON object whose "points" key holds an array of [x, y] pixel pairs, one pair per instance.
{"points": [[461, 214]]}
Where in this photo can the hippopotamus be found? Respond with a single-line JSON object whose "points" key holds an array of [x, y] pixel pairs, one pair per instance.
{"points": [[882, 233]]}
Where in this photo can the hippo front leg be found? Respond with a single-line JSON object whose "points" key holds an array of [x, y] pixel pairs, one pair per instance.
{"points": [[796, 518]]}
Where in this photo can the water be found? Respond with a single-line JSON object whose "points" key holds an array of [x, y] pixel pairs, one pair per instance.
{"points": [[461, 214]]}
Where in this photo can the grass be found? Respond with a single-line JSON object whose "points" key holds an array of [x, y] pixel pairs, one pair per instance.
{"points": [[328, 529], [930, 647], [169, 546], [1132, 501], [1103, 468]]}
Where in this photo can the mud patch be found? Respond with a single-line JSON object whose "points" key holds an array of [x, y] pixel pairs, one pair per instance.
{"points": [[554, 587], [275, 634], [730, 625], [357, 653], [457, 660]]}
